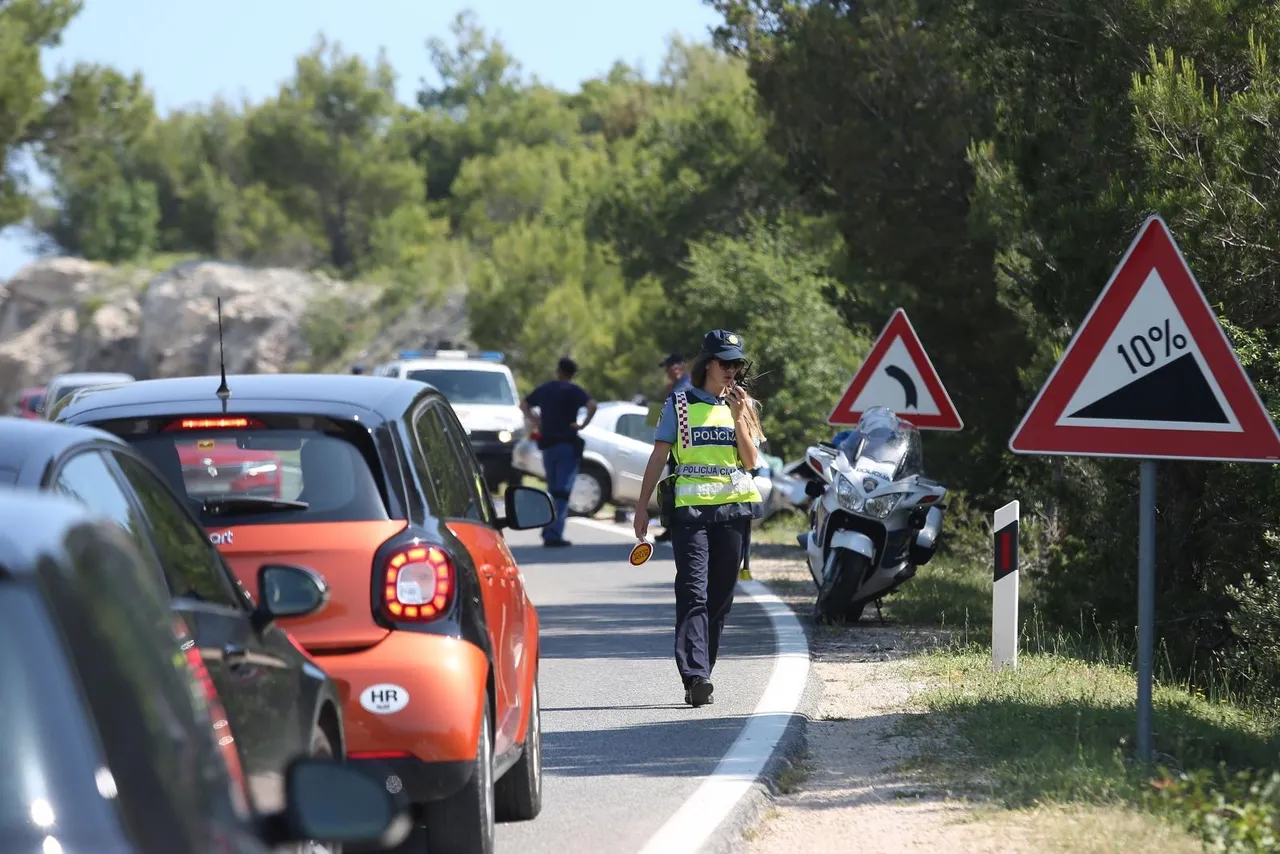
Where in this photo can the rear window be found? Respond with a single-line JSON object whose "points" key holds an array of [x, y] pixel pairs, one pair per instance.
{"points": [[55, 782], [274, 476], [468, 387]]}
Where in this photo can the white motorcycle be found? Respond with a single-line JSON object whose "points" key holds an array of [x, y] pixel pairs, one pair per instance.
{"points": [[876, 517]]}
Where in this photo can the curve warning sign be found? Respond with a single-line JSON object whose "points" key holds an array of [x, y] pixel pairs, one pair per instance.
{"points": [[897, 374]]}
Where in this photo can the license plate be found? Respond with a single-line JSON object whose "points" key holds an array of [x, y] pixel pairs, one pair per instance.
{"points": [[210, 488]]}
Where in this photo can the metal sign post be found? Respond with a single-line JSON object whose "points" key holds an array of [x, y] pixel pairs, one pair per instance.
{"points": [[1146, 601], [1149, 375]]}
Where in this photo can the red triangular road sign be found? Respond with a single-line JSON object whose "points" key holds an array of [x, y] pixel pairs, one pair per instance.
{"points": [[898, 375], [1150, 373]]}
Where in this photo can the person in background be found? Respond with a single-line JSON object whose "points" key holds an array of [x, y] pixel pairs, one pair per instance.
{"points": [[558, 402], [677, 378], [714, 431]]}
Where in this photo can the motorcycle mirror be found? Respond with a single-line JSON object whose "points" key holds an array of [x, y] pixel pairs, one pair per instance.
{"points": [[814, 489]]}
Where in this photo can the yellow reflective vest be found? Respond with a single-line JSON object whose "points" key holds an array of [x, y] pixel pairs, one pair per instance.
{"points": [[708, 469]]}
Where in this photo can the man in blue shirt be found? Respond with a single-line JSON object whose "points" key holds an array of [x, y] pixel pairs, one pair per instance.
{"points": [[677, 376], [558, 402]]}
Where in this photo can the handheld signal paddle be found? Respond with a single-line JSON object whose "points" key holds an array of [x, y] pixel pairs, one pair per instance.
{"points": [[640, 553]]}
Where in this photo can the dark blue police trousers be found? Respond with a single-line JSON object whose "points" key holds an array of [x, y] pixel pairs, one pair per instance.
{"points": [[708, 557]]}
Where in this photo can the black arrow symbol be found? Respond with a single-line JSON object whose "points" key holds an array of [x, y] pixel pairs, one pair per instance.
{"points": [[908, 385]]}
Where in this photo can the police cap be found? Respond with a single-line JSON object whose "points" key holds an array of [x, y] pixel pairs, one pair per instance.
{"points": [[723, 344]]}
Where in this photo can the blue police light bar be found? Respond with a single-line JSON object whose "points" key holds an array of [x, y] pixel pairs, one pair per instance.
{"points": [[485, 355]]}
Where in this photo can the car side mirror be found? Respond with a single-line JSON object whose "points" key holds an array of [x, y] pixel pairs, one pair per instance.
{"points": [[527, 508], [287, 591], [327, 801]]}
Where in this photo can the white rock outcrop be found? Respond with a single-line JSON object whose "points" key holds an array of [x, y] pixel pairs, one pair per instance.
{"points": [[67, 314]]}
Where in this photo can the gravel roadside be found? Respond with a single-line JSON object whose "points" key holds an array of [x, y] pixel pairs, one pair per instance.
{"points": [[845, 794]]}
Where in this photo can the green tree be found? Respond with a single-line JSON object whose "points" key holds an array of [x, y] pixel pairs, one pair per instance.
{"points": [[91, 140], [699, 164], [26, 27], [768, 285], [324, 150], [873, 109]]}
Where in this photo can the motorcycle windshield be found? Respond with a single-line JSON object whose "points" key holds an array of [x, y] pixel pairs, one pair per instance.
{"points": [[884, 438]]}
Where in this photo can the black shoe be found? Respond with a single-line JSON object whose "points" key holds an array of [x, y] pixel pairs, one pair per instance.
{"points": [[699, 692], [556, 543], [664, 537]]}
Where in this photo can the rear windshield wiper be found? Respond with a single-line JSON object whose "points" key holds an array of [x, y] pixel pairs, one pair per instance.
{"points": [[234, 504]]}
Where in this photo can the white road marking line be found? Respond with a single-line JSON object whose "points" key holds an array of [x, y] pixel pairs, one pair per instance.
{"points": [[697, 819]]}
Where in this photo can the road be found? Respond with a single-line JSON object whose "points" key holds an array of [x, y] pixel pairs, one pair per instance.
{"points": [[621, 750]]}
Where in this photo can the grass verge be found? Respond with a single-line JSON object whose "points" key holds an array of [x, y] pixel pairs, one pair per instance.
{"points": [[1056, 733]]}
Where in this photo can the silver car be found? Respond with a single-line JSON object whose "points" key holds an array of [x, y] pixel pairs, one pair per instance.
{"points": [[65, 385], [618, 444]]}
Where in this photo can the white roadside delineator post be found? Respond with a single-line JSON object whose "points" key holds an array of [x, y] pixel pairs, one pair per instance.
{"points": [[1004, 589]]}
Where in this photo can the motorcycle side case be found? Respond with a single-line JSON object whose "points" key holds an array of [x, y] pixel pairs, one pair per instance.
{"points": [[926, 543]]}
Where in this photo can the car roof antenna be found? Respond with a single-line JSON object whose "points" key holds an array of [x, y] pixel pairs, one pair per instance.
{"points": [[223, 392]]}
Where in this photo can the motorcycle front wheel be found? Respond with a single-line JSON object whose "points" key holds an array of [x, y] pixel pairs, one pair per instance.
{"points": [[842, 575]]}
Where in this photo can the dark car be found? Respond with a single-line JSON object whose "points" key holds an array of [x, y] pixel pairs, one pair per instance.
{"points": [[110, 741], [429, 629], [281, 704]]}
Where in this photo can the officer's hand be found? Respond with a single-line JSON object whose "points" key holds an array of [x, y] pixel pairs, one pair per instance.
{"points": [[736, 400], [641, 522]]}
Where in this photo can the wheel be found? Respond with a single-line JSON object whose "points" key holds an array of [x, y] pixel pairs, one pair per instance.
{"points": [[518, 794], [589, 492], [321, 747], [842, 576], [464, 822]]}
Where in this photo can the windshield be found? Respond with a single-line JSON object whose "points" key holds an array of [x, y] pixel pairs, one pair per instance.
{"points": [[63, 391], [243, 477], [468, 387], [55, 782], [883, 437]]}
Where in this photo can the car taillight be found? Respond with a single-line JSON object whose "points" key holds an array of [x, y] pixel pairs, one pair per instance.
{"points": [[215, 423], [418, 584]]}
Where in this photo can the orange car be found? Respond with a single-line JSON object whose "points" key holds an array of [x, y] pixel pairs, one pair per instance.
{"points": [[428, 631]]}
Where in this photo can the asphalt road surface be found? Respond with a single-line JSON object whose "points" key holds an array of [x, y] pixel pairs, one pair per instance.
{"points": [[621, 750]]}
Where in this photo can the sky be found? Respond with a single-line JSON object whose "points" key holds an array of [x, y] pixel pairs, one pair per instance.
{"points": [[191, 52]]}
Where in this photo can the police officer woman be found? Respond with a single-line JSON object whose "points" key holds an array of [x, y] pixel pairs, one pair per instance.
{"points": [[714, 432]]}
